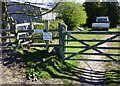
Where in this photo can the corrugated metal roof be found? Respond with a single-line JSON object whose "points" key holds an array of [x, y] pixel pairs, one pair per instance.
{"points": [[37, 5]]}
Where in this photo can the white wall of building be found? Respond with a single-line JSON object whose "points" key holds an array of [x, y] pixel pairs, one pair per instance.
{"points": [[49, 16]]}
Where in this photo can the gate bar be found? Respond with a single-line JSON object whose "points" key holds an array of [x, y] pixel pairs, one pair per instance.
{"points": [[91, 53], [92, 32]]}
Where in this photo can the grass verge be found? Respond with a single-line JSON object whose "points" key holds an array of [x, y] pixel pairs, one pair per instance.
{"points": [[43, 65], [113, 68]]}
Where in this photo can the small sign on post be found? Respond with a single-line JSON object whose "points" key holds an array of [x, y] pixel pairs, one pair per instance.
{"points": [[38, 31], [47, 36]]}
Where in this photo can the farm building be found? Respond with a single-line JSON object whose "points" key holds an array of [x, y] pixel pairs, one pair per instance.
{"points": [[29, 9]]}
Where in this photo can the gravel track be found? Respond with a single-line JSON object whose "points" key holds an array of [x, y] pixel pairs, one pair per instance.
{"points": [[94, 70]]}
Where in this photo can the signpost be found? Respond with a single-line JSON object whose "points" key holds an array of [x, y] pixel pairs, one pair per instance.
{"points": [[47, 36], [47, 41]]}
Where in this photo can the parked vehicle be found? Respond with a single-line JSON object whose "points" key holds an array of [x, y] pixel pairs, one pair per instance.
{"points": [[102, 23]]}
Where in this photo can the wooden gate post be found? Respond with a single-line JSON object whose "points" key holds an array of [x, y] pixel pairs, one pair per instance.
{"points": [[61, 40], [65, 37], [47, 41], [16, 36]]}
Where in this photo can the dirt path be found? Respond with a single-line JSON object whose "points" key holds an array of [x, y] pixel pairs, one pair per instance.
{"points": [[94, 71]]}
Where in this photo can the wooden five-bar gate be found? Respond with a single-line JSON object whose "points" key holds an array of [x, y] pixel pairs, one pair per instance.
{"points": [[99, 47]]}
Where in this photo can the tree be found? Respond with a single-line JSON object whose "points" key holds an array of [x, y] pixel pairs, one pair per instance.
{"points": [[119, 14], [73, 14], [95, 9], [113, 13], [4, 19]]}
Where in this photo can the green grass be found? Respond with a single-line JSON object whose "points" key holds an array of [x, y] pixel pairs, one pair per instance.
{"points": [[115, 44], [88, 29], [113, 69], [43, 65], [114, 29], [112, 74]]}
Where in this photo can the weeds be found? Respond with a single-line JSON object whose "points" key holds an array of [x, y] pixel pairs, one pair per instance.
{"points": [[43, 65]]}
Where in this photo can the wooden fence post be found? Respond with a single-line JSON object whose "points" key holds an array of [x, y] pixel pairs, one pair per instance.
{"points": [[16, 35], [30, 27], [47, 41], [61, 40]]}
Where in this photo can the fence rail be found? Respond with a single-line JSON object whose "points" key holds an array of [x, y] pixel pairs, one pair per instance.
{"points": [[93, 32], [23, 38], [117, 48], [92, 40]]}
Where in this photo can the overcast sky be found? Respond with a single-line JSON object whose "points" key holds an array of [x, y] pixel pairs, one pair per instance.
{"points": [[40, 1]]}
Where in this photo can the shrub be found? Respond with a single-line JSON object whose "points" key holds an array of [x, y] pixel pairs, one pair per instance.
{"points": [[73, 14]]}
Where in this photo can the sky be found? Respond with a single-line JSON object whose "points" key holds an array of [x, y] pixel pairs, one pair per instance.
{"points": [[40, 1]]}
